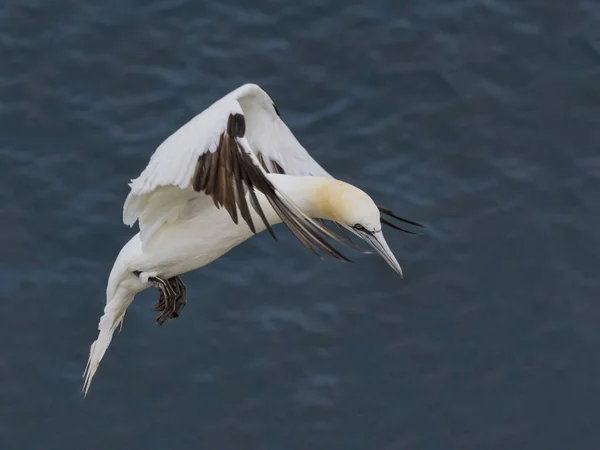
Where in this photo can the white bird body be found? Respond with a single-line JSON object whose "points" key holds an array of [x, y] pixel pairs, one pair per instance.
{"points": [[191, 243], [163, 187], [226, 157]]}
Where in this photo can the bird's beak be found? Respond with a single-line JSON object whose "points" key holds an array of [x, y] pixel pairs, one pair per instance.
{"points": [[377, 241]]}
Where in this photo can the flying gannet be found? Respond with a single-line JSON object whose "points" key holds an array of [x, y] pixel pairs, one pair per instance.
{"points": [[235, 162]]}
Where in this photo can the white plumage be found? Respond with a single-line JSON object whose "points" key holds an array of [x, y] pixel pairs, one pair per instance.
{"points": [[160, 193], [233, 170]]}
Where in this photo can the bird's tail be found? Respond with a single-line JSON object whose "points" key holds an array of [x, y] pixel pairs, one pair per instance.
{"points": [[114, 313]]}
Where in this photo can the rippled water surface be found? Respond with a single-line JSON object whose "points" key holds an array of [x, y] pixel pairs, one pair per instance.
{"points": [[480, 119]]}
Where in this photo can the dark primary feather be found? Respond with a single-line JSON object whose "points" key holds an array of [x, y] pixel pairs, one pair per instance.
{"points": [[276, 110], [229, 172], [390, 224], [391, 214], [276, 168]]}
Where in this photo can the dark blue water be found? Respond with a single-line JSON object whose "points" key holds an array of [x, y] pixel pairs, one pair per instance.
{"points": [[480, 119]]}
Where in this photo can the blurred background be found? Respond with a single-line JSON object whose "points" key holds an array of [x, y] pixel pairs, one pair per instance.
{"points": [[478, 118]]}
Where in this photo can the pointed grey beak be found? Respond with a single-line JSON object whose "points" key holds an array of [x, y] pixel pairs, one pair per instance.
{"points": [[377, 241]]}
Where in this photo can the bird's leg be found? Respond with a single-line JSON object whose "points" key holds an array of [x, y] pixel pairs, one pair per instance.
{"points": [[166, 298], [166, 285], [181, 299], [160, 303], [164, 291], [171, 299], [172, 296]]}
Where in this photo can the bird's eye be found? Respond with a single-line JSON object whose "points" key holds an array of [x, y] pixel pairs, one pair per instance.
{"points": [[359, 227]]}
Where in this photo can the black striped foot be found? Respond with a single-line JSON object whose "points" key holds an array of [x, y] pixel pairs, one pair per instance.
{"points": [[172, 297]]}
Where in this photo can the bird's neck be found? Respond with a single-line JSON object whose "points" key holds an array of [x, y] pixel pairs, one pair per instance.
{"points": [[313, 195]]}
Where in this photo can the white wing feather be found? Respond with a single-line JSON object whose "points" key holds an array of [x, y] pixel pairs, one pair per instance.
{"points": [[269, 135], [162, 191]]}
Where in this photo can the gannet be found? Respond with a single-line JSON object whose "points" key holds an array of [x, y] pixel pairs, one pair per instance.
{"points": [[232, 171]]}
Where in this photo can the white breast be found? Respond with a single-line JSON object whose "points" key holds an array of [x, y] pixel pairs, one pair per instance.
{"points": [[189, 244]]}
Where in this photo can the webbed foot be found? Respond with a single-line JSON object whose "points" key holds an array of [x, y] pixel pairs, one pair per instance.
{"points": [[172, 297]]}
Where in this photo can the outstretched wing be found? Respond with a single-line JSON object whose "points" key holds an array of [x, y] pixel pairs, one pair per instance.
{"points": [[274, 144], [211, 155], [279, 151]]}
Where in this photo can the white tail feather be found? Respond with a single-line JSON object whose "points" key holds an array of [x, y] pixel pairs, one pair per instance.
{"points": [[114, 313]]}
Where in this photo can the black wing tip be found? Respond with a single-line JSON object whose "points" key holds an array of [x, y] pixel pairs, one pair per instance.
{"points": [[390, 224], [306, 231], [227, 172], [236, 125], [401, 219]]}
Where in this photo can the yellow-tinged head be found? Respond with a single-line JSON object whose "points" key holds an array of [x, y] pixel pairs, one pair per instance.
{"points": [[356, 211]]}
